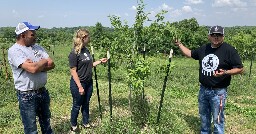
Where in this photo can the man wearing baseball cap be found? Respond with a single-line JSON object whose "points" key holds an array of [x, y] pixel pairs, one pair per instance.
{"points": [[218, 61], [29, 63]]}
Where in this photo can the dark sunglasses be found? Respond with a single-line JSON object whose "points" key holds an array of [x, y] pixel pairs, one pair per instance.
{"points": [[216, 35]]}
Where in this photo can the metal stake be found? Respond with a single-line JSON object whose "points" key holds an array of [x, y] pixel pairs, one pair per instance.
{"points": [[97, 85], [164, 86]]}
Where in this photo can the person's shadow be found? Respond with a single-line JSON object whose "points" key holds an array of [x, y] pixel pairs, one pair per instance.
{"points": [[62, 127], [192, 121], [63, 124]]}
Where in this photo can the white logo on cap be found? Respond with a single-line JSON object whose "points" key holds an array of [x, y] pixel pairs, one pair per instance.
{"points": [[216, 29]]}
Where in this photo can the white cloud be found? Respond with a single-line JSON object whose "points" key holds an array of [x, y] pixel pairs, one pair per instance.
{"points": [[154, 11], [180, 12], [231, 3], [187, 9], [133, 8], [176, 13], [126, 14], [194, 1], [166, 7]]}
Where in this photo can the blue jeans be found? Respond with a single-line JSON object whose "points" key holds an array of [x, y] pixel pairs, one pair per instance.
{"points": [[212, 104], [32, 104], [80, 101]]}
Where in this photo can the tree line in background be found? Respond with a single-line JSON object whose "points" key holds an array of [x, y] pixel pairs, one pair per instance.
{"points": [[157, 37]]}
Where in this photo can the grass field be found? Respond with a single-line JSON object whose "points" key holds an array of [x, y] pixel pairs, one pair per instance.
{"points": [[180, 107]]}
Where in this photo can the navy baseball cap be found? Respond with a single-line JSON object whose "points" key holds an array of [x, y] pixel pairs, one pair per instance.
{"points": [[24, 26], [216, 29]]}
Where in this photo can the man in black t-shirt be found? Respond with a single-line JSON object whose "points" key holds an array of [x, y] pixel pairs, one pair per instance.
{"points": [[218, 61]]}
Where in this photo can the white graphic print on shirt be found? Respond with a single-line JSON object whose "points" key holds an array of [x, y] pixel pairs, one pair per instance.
{"points": [[209, 64], [86, 57]]}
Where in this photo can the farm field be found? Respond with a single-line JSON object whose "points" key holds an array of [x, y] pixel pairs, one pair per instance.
{"points": [[179, 112]]}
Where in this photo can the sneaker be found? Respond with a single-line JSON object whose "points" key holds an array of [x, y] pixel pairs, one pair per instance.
{"points": [[87, 125], [73, 129]]}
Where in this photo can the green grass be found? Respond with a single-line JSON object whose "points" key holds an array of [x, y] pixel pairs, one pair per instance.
{"points": [[180, 108]]}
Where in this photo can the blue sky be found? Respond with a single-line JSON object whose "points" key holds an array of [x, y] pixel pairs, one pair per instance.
{"points": [[73, 13]]}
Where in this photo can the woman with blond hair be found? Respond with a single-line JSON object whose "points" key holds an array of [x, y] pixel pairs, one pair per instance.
{"points": [[81, 83]]}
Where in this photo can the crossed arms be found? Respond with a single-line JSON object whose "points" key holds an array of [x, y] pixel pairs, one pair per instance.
{"points": [[40, 66]]}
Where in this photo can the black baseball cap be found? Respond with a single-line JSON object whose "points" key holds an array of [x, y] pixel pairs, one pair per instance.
{"points": [[216, 30]]}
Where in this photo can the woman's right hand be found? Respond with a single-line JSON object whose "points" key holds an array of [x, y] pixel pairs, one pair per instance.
{"points": [[103, 60], [81, 90]]}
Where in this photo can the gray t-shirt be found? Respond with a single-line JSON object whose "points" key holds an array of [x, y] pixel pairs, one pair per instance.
{"points": [[23, 80]]}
